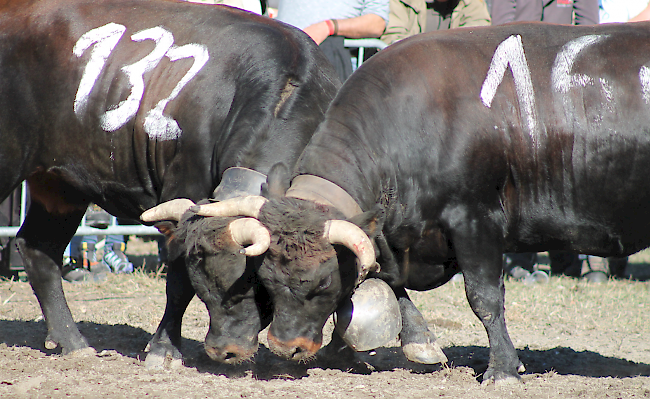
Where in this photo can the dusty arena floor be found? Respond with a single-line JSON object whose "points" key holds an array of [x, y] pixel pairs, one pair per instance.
{"points": [[577, 341]]}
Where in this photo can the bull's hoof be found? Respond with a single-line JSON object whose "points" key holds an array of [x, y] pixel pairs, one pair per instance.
{"points": [[509, 380], [163, 357], [68, 346], [50, 344], [429, 353], [157, 362], [83, 352], [521, 368], [500, 377]]}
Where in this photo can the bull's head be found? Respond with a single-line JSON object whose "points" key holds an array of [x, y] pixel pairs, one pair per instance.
{"points": [[220, 258], [313, 262]]}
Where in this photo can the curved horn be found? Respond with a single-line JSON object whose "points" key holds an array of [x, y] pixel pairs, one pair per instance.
{"points": [[348, 234], [250, 231], [170, 210], [239, 206]]}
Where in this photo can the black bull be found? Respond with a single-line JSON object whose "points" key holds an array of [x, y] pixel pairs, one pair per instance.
{"points": [[460, 146], [130, 103]]}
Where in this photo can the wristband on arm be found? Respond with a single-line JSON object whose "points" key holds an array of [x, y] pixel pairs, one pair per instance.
{"points": [[333, 26]]}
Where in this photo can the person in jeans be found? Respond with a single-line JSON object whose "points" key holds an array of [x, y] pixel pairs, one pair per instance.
{"points": [[84, 264]]}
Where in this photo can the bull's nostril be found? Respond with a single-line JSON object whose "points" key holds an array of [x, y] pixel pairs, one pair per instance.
{"points": [[297, 352]]}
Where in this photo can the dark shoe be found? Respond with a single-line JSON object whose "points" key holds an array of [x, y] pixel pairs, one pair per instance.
{"points": [[595, 269], [617, 267], [97, 217], [566, 263], [520, 265], [519, 273], [89, 259], [536, 277], [75, 274]]}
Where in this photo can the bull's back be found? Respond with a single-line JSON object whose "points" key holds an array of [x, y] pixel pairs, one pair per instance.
{"points": [[543, 128]]}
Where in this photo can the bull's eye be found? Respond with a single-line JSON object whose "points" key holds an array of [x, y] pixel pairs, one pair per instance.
{"points": [[322, 286], [324, 283]]}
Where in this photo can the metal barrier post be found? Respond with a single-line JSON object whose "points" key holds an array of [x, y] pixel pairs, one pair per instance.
{"points": [[23, 202], [362, 44]]}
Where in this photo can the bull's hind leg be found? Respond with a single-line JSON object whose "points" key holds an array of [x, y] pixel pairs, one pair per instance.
{"points": [[480, 259], [418, 342], [164, 347], [41, 242]]}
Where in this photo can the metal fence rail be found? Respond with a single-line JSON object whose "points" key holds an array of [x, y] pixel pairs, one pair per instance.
{"points": [[138, 230], [83, 230]]}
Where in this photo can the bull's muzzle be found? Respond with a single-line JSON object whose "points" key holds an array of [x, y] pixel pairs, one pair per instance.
{"points": [[298, 349], [230, 354]]}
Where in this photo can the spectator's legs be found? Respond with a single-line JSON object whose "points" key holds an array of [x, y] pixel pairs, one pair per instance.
{"points": [[520, 265], [114, 255], [338, 55]]}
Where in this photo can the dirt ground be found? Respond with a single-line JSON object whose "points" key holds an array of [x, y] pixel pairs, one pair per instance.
{"points": [[577, 341]]}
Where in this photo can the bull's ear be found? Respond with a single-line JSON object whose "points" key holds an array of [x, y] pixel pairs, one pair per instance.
{"points": [[371, 222], [166, 227], [277, 182]]}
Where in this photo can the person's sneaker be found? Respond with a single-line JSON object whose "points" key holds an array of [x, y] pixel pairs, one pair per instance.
{"points": [[519, 273], [536, 277], [75, 273], [117, 260], [97, 217], [595, 269], [89, 259]]}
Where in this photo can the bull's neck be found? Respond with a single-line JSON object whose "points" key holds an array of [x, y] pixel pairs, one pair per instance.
{"points": [[322, 191]]}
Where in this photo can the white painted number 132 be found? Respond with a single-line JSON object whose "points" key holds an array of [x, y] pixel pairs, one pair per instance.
{"points": [[103, 40]]}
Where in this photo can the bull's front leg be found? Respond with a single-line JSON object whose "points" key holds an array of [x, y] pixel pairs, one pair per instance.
{"points": [[41, 242], [164, 347], [480, 258], [418, 342]]}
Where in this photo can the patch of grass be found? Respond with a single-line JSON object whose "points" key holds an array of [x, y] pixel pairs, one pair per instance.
{"points": [[641, 257], [565, 312]]}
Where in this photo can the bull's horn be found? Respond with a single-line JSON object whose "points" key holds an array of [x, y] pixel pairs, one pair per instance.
{"points": [[170, 210], [250, 231], [348, 234], [239, 206]]}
